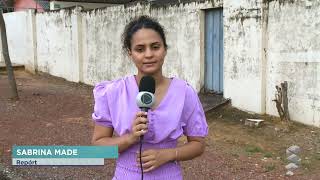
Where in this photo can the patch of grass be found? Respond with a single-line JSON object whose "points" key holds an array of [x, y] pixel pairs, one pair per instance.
{"points": [[267, 154], [312, 162], [307, 164], [269, 167], [285, 160], [251, 149]]}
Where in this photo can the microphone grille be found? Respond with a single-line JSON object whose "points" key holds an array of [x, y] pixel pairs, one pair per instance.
{"points": [[147, 83]]}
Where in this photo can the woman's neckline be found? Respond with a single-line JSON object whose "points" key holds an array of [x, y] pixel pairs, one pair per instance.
{"points": [[163, 98]]}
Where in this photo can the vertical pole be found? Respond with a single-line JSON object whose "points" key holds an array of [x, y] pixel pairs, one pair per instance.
{"points": [[5, 51]]}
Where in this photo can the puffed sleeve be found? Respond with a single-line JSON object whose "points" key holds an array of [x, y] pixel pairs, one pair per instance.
{"points": [[101, 114], [194, 120]]}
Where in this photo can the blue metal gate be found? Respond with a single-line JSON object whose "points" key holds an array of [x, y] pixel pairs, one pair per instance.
{"points": [[214, 50]]}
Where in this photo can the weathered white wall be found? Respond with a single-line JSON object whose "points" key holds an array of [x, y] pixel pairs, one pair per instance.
{"points": [[86, 46], [183, 26], [263, 51], [263, 47], [57, 46], [103, 58], [102, 54], [242, 54], [19, 37], [294, 56]]}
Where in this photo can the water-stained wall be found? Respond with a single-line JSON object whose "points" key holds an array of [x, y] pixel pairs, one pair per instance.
{"points": [[242, 54], [293, 53], [86, 46], [57, 44], [103, 58], [267, 43]]}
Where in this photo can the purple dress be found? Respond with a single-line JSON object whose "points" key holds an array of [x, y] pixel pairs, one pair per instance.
{"points": [[180, 112]]}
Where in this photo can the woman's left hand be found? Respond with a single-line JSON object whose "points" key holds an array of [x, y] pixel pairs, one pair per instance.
{"points": [[153, 158]]}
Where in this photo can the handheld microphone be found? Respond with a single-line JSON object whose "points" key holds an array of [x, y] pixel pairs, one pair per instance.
{"points": [[145, 99]]}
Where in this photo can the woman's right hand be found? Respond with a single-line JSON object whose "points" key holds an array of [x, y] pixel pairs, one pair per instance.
{"points": [[139, 126]]}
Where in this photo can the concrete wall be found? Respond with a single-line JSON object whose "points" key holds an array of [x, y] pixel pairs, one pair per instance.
{"points": [[19, 36], [269, 42], [102, 54], [57, 48], [103, 58], [86, 46], [242, 54], [16, 35], [185, 28], [294, 56], [264, 46]]}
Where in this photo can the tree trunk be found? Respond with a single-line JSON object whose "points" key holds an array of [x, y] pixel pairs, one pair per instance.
{"points": [[5, 52], [284, 87]]}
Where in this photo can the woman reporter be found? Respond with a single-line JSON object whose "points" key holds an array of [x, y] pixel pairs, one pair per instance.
{"points": [[177, 111]]}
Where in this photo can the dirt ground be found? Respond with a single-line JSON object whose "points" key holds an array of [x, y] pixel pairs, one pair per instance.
{"points": [[52, 111]]}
